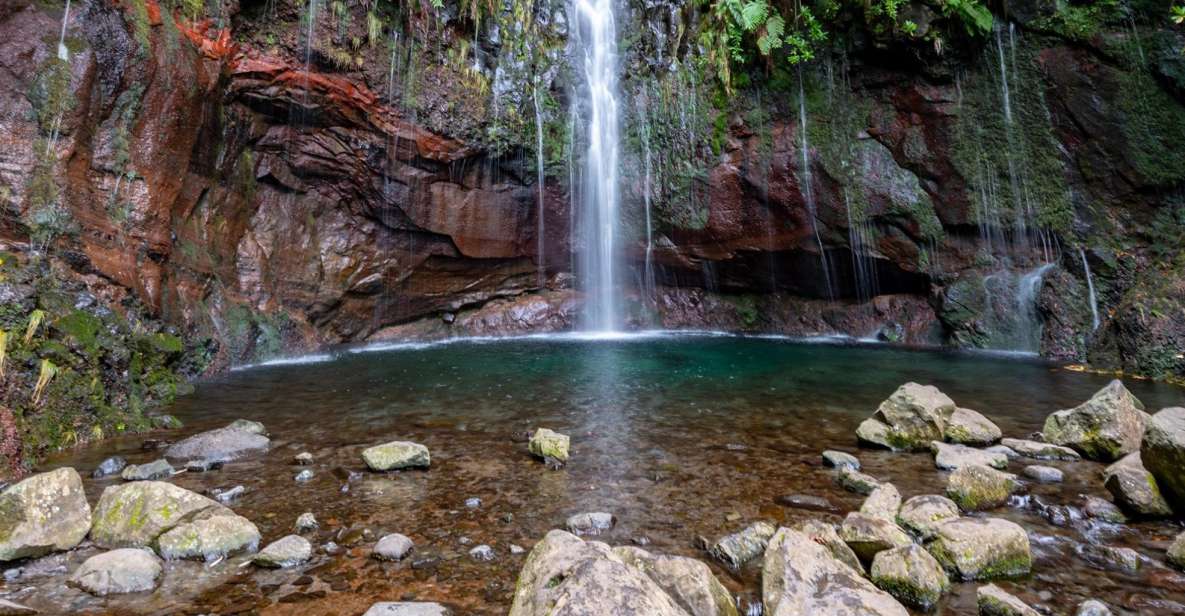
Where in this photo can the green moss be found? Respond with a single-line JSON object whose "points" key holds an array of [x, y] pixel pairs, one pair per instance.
{"points": [[1153, 127], [137, 14], [50, 94]]}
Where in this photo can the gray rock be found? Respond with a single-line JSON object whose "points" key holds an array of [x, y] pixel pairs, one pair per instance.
{"points": [[855, 481], [165, 422], [968, 427], [909, 419], [1163, 454], [303, 458], [993, 601], [1040, 451], [472, 503], [303, 476], [134, 514], [805, 501], [288, 551], [229, 494], [393, 547], [157, 469], [1135, 490], [911, 575], [825, 535], [306, 522], [951, 457], [238, 439], [867, 535], [203, 465], [8, 608], [1105, 428], [396, 455], [117, 572], [111, 466], [549, 445], [43, 513], [884, 502], [590, 523], [483, 553], [840, 459], [1109, 557], [686, 580], [1176, 552], [1006, 451], [975, 487], [740, 547], [210, 537], [1093, 607], [516, 549], [982, 548], [922, 515], [801, 577], [1044, 474], [1104, 510], [407, 608]]}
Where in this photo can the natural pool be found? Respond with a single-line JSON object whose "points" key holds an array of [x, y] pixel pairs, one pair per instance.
{"points": [[678, 436]]}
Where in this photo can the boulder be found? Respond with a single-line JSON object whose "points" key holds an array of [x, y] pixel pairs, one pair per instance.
{"points": [[993, 601], [393, 547], [909, 419], [1110, 558], [285, 552], [108, 467], [840, 459], [800, 576], [551, 446], [1102, 509], [1176, 552], [922, 515], [1043, 474], [407, 608], [977, 487], [740, 547], [1008, 452], [1092, 607], [396, 455], [884, 502], [911, 575], [1163, 454], [688, 581], [236, 440], [982, 548], [590, 523], [951, 457], [134, 514], [824, 534], [214, 535], [867, 535], [1105, 428], [1135, 490], [586, 577], [43, 513], [157, 469], [117, 572], [1040, 451], [968, 427], [854, 481]]}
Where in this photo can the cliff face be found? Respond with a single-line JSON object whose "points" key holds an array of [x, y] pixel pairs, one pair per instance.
{"points": [[276, 182]]}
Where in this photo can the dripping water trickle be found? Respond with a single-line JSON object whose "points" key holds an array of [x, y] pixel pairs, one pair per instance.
{"points": [[540, 223], [1094, 301], [808, 192]]}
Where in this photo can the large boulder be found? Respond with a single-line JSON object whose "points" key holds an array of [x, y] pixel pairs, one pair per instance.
{"points": [[923, 514], [1135, 490], [909, 419], [1163, 453], [825, 535], [214, 535], [688, 581], [976, 487], [118, 571], [867, 535], [43, 513], [1107, 427], [396, 455], [994, 601], [134, 514], [982, 548], [236, 440], [967, 427], [911, 575], [800, 576], [884, 502], [950, 457], [742, 546], [589, 577]]}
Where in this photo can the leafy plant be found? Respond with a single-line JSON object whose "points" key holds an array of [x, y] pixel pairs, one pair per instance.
{"points": [[45, 374], [35, 319], [1178, 14], [3, 351]]}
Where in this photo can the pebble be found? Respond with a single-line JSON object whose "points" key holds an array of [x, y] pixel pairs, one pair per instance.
{"points": [[805, 501], [225, 496], [516, 549], [111, 466], [203, 465], [393, 547], [840, 459], [304, 475], [306, 522], [303, 458], [473, 503], [483, 553]]}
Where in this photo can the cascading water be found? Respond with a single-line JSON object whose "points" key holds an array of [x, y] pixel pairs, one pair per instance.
{"points": [[1094, 301], [1011, 309], [63, 52], [808, 192], [648, 280], [598, 262], [540, 226]]}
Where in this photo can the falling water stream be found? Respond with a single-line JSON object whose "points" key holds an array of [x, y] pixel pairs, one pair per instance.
{"points": [[808, 192], [1094, 300], [540, 230]]}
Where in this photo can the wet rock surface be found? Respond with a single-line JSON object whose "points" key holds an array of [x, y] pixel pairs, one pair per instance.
{"points": [[796, 568], [1105, 428], [120, 571], [43, 513], [396, 455]]}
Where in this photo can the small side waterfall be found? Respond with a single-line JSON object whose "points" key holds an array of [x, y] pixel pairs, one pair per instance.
{"points": [[648, 281], [599, 260], [540, 227], [63, 52], [1094, 301], [808, 192], [1011, 314]]}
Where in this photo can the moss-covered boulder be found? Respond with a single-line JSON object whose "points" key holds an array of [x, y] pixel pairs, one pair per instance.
{"points": [[854, 481], [1176, 552], [688, 581], [909, 419], [993, 601], [744, 545], [1163, 454], [1105, 428], [867, 535], [911, 575], [982, 548], [968, 427], [923, 514], [209, 537], [1135, 490], [396, 455], [43, 513], [136, 514], [795, 572], [549, 445], [976, 487], [825, 535]]}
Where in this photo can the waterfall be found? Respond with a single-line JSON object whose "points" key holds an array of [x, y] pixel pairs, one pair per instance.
{"points": [[1012, 320], [863, 264], [540, 229], [647, 168], [599, 260], [63, 52], [808, 192], [1094, 301]]}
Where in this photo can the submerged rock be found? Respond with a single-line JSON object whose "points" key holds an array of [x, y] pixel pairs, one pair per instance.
{"points": [[868, 535], [993, 601], [9, 608], [1105, 428], [157, 469], [108, 467], [805, 501], [236, 440], [393, 547], [740, 547], [1135, 490], [951, 457], [909, 419], [407, 608], [246, 425], [1109, 557], [825, 535], [396, 455], [43, 513], [1176, 552], [1092, 607], [982, 548], [306, 522], [840, 459], [1163, 454], [590, 523], [1104, 510], [549, 445], [911, 575], [119, 571], [855, 481], [884, 502], [922, 515], [800, 577], [286, 552], [976, 487], [1039, 450], [135, 514], [220, 534], [968, 427], [483, 553], [1044, 474]]}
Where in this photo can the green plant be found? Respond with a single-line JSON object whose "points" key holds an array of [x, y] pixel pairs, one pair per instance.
{"points": [[45, 374], [35, 319]]}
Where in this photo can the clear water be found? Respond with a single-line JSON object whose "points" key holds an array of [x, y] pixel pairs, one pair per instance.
{"points": [[678, 436]]}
